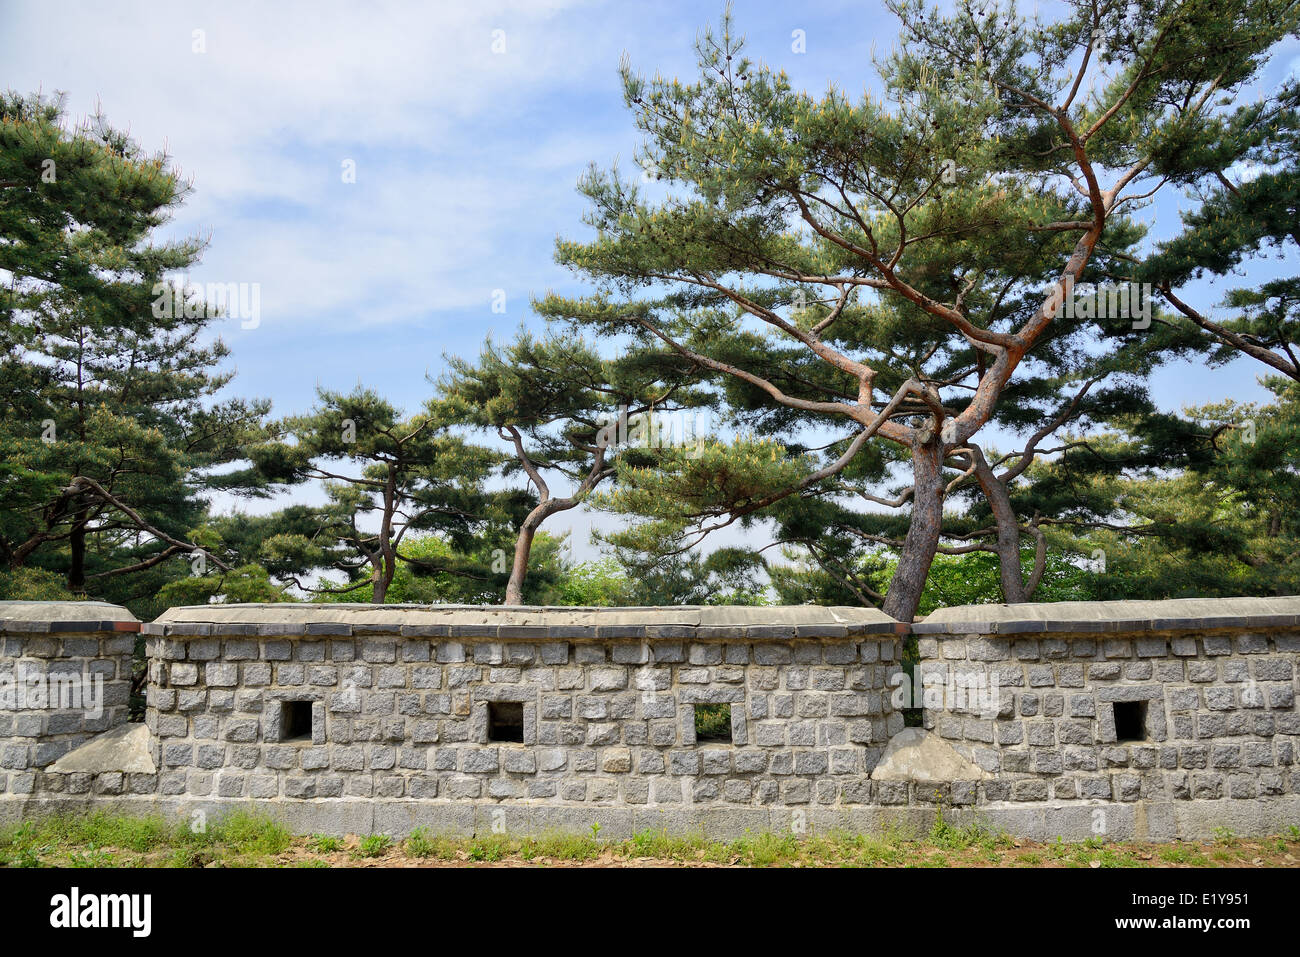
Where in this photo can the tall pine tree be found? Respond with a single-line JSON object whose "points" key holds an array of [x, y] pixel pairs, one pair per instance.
{"points": [[110, 423]]}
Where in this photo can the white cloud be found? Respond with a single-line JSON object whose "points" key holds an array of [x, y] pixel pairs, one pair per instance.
{"points": [[282, 94]]}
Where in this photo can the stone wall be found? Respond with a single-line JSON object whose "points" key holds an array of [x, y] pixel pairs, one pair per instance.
{"points": [[1154, 720], [65, 676], [1114, 702], [408, 705]]}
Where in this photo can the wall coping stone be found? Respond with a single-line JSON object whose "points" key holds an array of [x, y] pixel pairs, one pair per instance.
{"points": [[1086, 617], [45, 617], [525, 623], [674, 622]]}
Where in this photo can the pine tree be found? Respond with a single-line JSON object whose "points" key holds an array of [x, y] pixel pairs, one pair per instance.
{"points": [[1242, 177], [386, 476], [563, 411], [109, 423], [916, 250]]}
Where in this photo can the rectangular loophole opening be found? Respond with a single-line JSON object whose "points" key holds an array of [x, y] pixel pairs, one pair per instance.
{"points": [[713, 722], [506, 721], [295, 721], [1130, 721]]}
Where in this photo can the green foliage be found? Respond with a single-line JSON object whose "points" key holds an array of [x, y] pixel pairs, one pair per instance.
{"points": [[1228, 224], [969, 579], [676, 489], [728, 576], [33, 584], [712, 722], [249, 840], [811, 254], [488, 849], [250, 833], [973, 580], [327, 844], [419, 844], [598, 584], [245, 583], [111, 428], [238, 832], [564, 410], [1221, 525], [403, 476], [945, 834], [857, 286], [375, 845]]}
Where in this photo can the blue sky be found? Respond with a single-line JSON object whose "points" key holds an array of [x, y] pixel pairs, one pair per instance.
{"points": [[466, 159]]}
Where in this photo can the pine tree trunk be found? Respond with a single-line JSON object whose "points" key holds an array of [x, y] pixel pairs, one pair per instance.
{"points": [[922, 541], [386, 563], [1008, 543], [519, 569], [524, 545], [77, 552]]}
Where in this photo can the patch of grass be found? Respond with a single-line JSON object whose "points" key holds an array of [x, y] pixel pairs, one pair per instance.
{"points": [[191, 856], [325, 843], [649, 843], [1058, 848], [247, 833], [1116, 856], [420, 843], [100, 839], [1177, 854], [374, 845], [563, 847], [766, 850], [490, 848], [953, 837], [101, 829], [91, 857], [249, 840], [20, 846], [887, 848], [13, 836]]}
